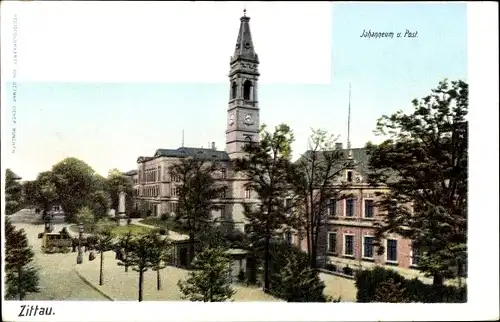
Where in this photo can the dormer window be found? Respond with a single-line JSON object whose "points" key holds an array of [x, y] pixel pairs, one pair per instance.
{"points": [[349, 176]]}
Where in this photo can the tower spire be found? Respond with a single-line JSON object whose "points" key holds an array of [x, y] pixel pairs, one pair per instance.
{"points": [[182, 138], [244, 45]]}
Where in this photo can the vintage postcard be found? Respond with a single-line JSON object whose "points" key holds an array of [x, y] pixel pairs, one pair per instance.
{"points": [[160, 156]]}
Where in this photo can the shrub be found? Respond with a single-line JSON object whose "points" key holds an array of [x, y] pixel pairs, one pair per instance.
{"points": [[380, 284], [162, 231], [164, 217]]}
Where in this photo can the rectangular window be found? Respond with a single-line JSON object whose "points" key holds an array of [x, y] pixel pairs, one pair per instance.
{"points": [[332, 208], [332, 243], [368, 208], [247, 193], [415, 255], [350, 207], [223, 193], [368, 246], [223, 173], [288, 237], [349, 245], [392, 250]]}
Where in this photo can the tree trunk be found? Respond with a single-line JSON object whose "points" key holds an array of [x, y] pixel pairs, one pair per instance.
{"points": [[100, 269], [438, 280], [126, 265], [266, 264], [191, 249], [141, 277], [158, 280]]}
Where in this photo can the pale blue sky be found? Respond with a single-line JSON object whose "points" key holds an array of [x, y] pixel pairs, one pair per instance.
{"points": [[109, 125]]}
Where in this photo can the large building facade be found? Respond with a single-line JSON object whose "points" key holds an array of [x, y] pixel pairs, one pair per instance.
{"points": [[347, 238], [155, 187]]}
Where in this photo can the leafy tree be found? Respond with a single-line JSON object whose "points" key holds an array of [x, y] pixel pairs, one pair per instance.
{"points": [[13, 193], [266, 167], [41, 192], [116, 183], [314, 179], [21, 277], [104, 242], [424, 163], [139, 258], [99, 203], [210, 282], [196, 192], [125, 243], [75, 181], [86, 217], [159, 254]]}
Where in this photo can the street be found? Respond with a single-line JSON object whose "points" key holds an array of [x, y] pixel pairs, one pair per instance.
{"points": [[58, 278]]}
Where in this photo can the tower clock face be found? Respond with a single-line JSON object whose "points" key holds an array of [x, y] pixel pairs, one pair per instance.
{"points": [[248, 119], [231, 119]]}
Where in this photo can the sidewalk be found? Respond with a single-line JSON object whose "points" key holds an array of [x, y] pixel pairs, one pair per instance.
{"points": [[121, 286]]}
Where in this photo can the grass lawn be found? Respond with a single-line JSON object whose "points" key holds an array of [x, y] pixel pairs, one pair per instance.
{"points": [[119, 230], [168, 224]]}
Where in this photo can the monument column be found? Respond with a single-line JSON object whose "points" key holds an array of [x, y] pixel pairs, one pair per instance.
{"points": [[122, 217]]}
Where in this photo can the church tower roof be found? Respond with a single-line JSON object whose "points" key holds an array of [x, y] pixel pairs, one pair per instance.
{"points": [[244, 45]]}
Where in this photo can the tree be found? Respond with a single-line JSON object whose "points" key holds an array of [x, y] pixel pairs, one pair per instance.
{"points": [[86, 217], [13, 193], [104, 242], [139, 258], [159, 254], [314, 180], [41, 192], [75, 181], [118, 182], [20, 274], [125, 243], [266, 167], [423, 164], [299, 282], [196, 192], [99, 202], [210, 283]]}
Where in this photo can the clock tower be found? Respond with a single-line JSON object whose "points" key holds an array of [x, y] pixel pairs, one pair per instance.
{"points": [[243, 107]]}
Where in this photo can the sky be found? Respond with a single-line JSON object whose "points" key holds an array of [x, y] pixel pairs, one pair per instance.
{"points": [[108, 82]]}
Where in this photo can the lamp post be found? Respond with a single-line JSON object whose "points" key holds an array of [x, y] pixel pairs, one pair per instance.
{"points": [[79, 258]]}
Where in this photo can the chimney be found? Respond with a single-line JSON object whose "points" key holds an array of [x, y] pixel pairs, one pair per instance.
{"points": [[213, 146], [338, 146]]}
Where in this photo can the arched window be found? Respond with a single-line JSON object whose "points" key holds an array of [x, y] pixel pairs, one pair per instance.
{"points": [[247, 86], [234, 88]]}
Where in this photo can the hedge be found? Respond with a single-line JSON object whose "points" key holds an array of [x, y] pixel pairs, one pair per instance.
{"points": [[368, 282]]}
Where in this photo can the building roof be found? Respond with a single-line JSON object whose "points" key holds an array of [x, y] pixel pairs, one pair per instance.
{"points": [[244, 48], [359, 156], [200, 153], [183, 152], [131, 173]]}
